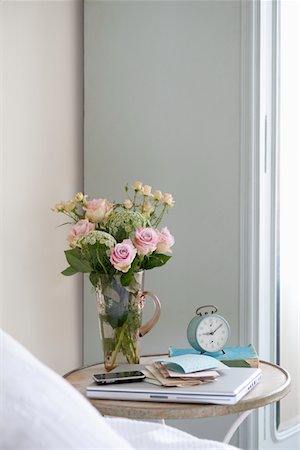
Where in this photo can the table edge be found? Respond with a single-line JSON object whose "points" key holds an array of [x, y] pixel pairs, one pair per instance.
{"points": [[133, 409]]}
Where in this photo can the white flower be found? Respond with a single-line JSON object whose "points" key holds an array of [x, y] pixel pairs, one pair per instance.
{"points": [[79, 197], [127, 219], [137, 185], [147, 207], [168, 199], [146, 190], [58, 207], [68, 206], [127, 203], [158, 196], [98, 236]]}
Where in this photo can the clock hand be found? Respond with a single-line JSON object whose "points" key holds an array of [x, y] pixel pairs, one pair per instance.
{"points": [[217, 328]]}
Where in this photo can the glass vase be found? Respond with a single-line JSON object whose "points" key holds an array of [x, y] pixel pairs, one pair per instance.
{"points": [[120, 318]]}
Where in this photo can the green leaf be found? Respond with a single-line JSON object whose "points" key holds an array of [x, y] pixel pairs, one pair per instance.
{"points": [[155, 260], [116, 313], [69, 271], [94, 278], [127, 277], [66, 223], [75, 259]]}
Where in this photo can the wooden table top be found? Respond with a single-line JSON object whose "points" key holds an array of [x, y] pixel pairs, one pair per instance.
{"points": [[275, 384]]}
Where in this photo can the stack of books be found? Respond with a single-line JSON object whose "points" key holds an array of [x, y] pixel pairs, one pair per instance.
{"points": [[240, 356], [185, 370]]}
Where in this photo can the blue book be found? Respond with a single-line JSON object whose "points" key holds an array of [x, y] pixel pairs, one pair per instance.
{"points": [[244, 356]]}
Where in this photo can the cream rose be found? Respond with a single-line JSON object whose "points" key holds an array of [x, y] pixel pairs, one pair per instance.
{"points": [[127, 203], [79, 197], [168, 199], [80, 229], [68, 206], [146, 190], [147, 207], [165, 240], [158, 196], [96, 210], [137, 185]]}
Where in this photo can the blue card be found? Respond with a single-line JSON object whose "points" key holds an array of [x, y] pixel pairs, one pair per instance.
{"points": [[192, 363]]}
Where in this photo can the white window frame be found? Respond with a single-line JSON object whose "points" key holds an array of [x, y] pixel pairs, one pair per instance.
{"points": [[249, 192], [259, 62]]}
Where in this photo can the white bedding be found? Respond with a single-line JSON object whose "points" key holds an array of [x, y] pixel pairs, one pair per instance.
{"points": [[151, 435], [41, 410]]}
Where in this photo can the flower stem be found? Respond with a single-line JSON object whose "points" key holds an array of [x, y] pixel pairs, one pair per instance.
{"points": [[99, 260], [133, 350], [73, 216], [161, 216], [118, 344], [134, 200]]}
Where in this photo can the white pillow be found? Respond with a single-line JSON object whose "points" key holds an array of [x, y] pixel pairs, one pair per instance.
{"points": [[41, 410]]}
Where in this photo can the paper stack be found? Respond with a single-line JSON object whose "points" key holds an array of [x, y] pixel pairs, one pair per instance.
{"points": [[185, 370]]}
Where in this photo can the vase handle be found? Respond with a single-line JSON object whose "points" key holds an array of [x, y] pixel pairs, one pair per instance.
{"points": [[144, 329]]}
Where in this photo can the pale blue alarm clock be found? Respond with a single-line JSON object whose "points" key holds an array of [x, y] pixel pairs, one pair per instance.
{"points": [[208, 331]]}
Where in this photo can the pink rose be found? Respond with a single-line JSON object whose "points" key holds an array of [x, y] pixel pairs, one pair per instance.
{"points": [[97, 209], [80, 229], [122, 255], [145, 240], [166, 241]]}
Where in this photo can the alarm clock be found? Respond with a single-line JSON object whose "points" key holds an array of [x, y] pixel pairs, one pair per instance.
{"points": [[208, 331]]}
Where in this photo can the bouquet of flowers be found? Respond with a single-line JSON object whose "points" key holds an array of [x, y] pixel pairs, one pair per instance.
{"points": [[117, 238], [115, 243]]}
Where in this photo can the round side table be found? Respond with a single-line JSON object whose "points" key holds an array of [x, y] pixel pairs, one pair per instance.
{"points": [[275, 385]]}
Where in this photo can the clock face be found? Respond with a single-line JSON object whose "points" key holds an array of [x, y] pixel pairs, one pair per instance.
{"points": [[212, 333]]}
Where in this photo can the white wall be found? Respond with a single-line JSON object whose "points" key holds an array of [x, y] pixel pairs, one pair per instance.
{"points": [[162, 104], [41, 163]]}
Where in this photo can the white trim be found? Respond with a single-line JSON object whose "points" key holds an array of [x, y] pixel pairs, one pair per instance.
{"points": [[249, 199], [249, 191], [284, 434], [257, 202], [290, 431], [1, 151]]}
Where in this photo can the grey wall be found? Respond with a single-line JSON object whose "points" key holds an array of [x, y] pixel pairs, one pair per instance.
{"points": [[162, 102]]}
